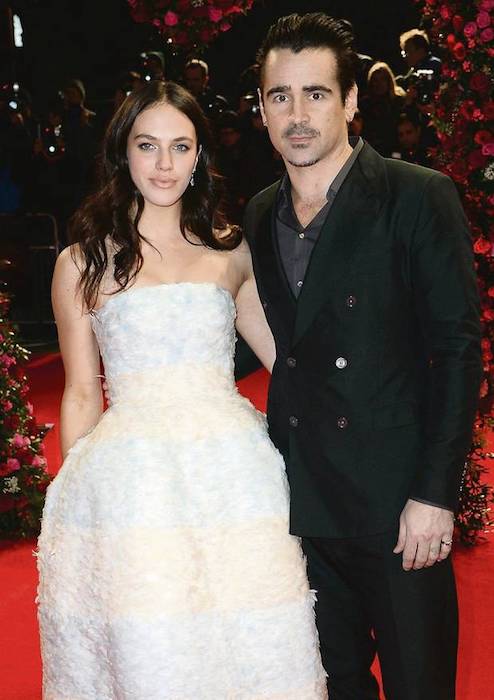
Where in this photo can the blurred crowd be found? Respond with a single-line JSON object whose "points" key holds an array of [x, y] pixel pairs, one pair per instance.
{"points": [[48, 153]]}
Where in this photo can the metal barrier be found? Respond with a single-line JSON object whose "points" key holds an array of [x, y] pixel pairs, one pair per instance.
{"points": [[29, 246]]}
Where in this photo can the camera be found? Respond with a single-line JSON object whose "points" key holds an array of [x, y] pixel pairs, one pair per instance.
{"points": [[424, 83]]}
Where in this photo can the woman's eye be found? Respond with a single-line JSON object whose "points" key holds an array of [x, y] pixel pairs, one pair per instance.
{"points": [[182, 147], [146, 146]]}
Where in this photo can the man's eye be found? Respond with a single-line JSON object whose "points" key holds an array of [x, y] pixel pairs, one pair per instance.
{"points": [[280, 98], [317, 96], [146, 146]]}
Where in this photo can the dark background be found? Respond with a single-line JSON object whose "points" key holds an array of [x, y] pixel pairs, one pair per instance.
{"points": [[95, 40]]}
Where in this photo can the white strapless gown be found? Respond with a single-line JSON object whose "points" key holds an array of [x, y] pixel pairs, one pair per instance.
{"points": [[166, 567]]}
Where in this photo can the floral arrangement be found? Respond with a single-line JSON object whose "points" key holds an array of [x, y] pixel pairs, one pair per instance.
{"points": [[464, 119], [23, 476], [189, 23]]}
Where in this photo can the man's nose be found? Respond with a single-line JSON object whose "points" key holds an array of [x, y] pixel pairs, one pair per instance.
{"points": [[300, 112]]}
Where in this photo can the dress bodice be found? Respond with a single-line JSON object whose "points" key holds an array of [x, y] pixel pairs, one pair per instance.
{"points": [[152, 338]]}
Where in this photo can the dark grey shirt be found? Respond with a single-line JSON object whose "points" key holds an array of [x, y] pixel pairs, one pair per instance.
{"points": [[295, 242]]}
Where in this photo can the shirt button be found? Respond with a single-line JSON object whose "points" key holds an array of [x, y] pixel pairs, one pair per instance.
{"points": [[351, 301], [293, 420], [341, 363], [342, 423], [291, 362], [299, 283], [301, 235]]}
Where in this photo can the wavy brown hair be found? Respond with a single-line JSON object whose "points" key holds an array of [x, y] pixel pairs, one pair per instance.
{"points": [[112, 213]]}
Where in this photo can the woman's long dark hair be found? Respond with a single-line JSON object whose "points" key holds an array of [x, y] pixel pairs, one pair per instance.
{"points": [[112, 213]]}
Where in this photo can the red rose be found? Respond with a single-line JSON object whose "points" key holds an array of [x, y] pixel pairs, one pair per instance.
{"points": [[484, 389], [480, 82], [458, 22], [459, 51], [482, 136], [482, 247], [445, 12], [466, 109]]}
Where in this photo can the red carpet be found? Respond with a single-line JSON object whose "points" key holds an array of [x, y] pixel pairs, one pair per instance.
{"points": [[20, 666]]}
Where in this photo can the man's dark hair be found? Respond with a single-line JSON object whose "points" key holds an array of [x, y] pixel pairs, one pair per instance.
{"points": [[314, 30]]}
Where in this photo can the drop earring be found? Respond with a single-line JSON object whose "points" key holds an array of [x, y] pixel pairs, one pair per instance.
{"points": [[191, 181]]}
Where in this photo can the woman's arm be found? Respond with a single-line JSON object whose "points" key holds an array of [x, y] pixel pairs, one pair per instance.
{"points": [[251, 320], [82, 403]]}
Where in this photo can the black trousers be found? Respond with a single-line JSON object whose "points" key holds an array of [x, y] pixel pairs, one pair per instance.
{"points": [[367, 603]]}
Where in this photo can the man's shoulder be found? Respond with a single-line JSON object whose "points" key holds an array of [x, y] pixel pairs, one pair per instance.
{"points": [[265, 196], [257, 206], [402, 174]]}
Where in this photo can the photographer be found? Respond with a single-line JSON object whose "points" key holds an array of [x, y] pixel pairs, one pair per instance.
{"points": [[422, 79], [15, 147]]}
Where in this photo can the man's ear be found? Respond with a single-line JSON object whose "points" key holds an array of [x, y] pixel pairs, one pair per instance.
{"points": [[261, 107], [351, 103]]}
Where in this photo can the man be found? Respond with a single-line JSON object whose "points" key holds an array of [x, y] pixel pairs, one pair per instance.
{"points": [[422, 79], [412, 146], [196, 79], [364, 268]]}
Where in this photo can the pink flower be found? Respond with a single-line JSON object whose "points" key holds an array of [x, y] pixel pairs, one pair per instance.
{"points": [[483, 19], [20, 441], [470, 29], [487, 5], [6, 360], [171, 19], [487, 35], [467, 66], [225, 26], [11, 465], [488, 149], [38, 461], [215, 15], [7, 406]]}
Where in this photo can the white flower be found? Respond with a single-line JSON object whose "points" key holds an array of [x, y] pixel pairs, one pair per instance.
{"points": [[11, 485], [489, 172]]}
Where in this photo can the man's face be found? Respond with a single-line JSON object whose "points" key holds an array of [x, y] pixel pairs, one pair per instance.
{"points": [[408, 135], [302, 105], [413, 55], [195, 80]]}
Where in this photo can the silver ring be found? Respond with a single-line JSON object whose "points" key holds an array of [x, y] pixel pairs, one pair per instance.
{"points": [[447, 543]]}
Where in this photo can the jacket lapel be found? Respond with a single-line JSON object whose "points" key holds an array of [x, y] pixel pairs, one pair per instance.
{"points": [[272, 281], [349, 223]]}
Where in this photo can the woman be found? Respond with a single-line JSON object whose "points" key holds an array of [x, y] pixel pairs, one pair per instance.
{"points": [[166, 568], [381, 108]]}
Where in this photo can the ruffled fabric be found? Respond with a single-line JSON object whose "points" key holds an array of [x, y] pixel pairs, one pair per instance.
{"points": [[166, 567]]}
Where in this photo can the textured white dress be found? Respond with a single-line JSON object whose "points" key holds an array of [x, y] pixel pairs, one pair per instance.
{"points": [[166, 567]]}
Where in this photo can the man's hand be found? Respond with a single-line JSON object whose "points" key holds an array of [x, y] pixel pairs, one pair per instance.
{"points": [[426, 534]]}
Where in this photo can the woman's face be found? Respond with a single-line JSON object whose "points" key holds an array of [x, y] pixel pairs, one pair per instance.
{"points": [[379, 83], [162, 154]]}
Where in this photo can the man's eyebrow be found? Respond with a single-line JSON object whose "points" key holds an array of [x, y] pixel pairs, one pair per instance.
{"points": [[278, 88], [316, 88]]}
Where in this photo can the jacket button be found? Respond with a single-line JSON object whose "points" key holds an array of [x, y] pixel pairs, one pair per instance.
{"points": [[342, 423], [351, 301], [293, 420], [291, 362], [341, 363]]}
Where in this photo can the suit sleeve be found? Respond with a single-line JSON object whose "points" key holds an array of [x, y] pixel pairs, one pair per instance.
{"points": [[447, 305]]}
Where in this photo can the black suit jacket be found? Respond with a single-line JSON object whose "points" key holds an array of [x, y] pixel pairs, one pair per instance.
{"points": [[376, 380]]}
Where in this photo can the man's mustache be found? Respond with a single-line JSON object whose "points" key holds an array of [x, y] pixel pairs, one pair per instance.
{"points": [[300, 130]]}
